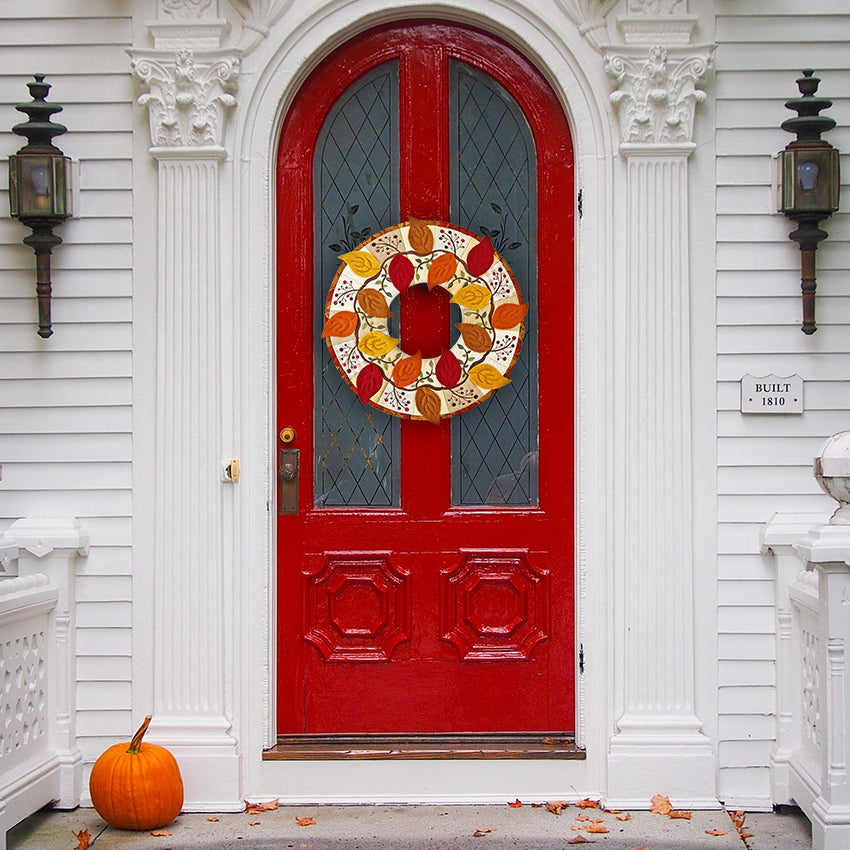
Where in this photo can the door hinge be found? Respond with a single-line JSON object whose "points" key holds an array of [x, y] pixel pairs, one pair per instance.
{"points": [[579, 202], [581, 659]]}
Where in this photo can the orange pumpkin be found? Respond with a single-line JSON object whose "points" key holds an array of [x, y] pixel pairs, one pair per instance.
{"points": [[137, 786]]}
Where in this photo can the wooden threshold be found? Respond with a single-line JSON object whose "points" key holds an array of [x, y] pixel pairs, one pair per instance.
{"points": [[470, 746]]}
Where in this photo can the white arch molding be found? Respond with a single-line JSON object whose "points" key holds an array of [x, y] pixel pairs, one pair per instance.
{"points": [[237, 719]]}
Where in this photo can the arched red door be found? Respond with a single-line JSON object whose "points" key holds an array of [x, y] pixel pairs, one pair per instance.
{"points": [[425, 571]]}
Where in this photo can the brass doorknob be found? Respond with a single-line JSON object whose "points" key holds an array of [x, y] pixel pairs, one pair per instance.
{"points": [[287, 435]]}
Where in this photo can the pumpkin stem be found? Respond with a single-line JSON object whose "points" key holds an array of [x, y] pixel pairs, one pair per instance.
{"points": [[136, 743]]}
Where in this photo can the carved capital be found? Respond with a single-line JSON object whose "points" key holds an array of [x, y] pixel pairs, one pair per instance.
{"points": [[189, 94], [655, 91]]}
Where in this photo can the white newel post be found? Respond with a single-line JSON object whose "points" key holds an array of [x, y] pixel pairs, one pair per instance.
{"points": [[658, 742], [190, 81], [823, 790], [51, 546], [779, 537]]}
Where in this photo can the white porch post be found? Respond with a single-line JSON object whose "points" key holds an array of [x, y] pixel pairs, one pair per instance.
{"points": [[189, 81], [823, 790], [51, 546], [658, 743]]}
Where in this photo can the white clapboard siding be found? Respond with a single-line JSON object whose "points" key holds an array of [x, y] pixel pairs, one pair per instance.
{"points": [[765, 460], [65, 403]]}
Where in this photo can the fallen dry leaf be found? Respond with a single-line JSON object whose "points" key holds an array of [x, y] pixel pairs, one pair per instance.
{"points": [[588, 804], [715, 832], [583, 818], [259, 808], [212, 819], [481, 831], [597, 829], [611, 811], [660, 805], [516, 804], [305, 821], [556, 806], [160, 833], [576, 828], [624, 817], [253, 823], [84, 837], [580, 839], [679, 815]]}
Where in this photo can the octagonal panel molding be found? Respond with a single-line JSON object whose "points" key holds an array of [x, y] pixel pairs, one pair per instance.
{"points": [[495, 606], [356, 607]]}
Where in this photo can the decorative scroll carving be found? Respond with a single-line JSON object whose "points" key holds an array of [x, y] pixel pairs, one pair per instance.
{"points": [[589, 17], [257, 18], [184, 9], [495, 606], [188, 95], [656, 92], [658, 7], [356, 608]]}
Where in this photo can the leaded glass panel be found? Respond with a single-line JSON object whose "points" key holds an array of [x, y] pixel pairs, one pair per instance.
{"points": [[493, 180], [355, 176]]}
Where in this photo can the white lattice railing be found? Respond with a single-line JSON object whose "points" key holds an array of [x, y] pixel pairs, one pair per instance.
{"points": [[811, 758], [29, 766]]}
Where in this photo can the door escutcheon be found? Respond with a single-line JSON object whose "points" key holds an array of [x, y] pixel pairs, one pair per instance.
{"points": [[287, 502]]}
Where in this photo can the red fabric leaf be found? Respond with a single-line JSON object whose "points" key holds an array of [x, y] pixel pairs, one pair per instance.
{"points": [[448, 369], [480, 258], [401, 272], [369, 381]]}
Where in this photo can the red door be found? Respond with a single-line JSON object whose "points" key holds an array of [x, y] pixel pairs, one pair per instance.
{"points": [[425, 583]]}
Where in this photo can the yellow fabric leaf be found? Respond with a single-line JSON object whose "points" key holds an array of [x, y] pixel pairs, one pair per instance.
{"points": [[487, 377], [376, 344], [362, 263], [473, 296]]}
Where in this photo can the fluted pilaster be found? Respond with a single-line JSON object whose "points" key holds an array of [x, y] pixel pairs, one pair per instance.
{"points": [[658, 741], [189, 83]]}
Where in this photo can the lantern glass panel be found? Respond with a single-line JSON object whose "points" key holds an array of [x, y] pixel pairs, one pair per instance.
{"points": [[809, 181], [39, 186]]}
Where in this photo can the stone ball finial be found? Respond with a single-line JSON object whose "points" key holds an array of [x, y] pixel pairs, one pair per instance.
{"points": [[832, 472]]}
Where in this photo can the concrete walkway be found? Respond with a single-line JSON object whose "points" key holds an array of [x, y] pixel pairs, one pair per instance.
{"points": [[425, 828]]}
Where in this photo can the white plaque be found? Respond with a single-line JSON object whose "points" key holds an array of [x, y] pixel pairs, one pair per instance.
{"points": [[772, 394]]}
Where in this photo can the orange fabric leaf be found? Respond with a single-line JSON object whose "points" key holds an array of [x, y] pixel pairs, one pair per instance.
{"points": [[516, 804], [624, 817], [373, 303], [305, 821], [428, 404], [588, 804], [556, 806], [481, 831], [84, 838], [580, 839], [341, 324], [441, 270], [679, 815], [597, 829], [715, 832], [160, 833], [475, 338], [420, 237], [258, 808], [507, 316], [406, 370]]}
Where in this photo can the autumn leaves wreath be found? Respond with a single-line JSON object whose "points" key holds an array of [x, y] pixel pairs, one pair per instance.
{"points": [[361, 301]]}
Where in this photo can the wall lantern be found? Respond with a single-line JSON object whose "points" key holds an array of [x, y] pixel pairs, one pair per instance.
{"points": [[40, 188], [809, 182]]}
